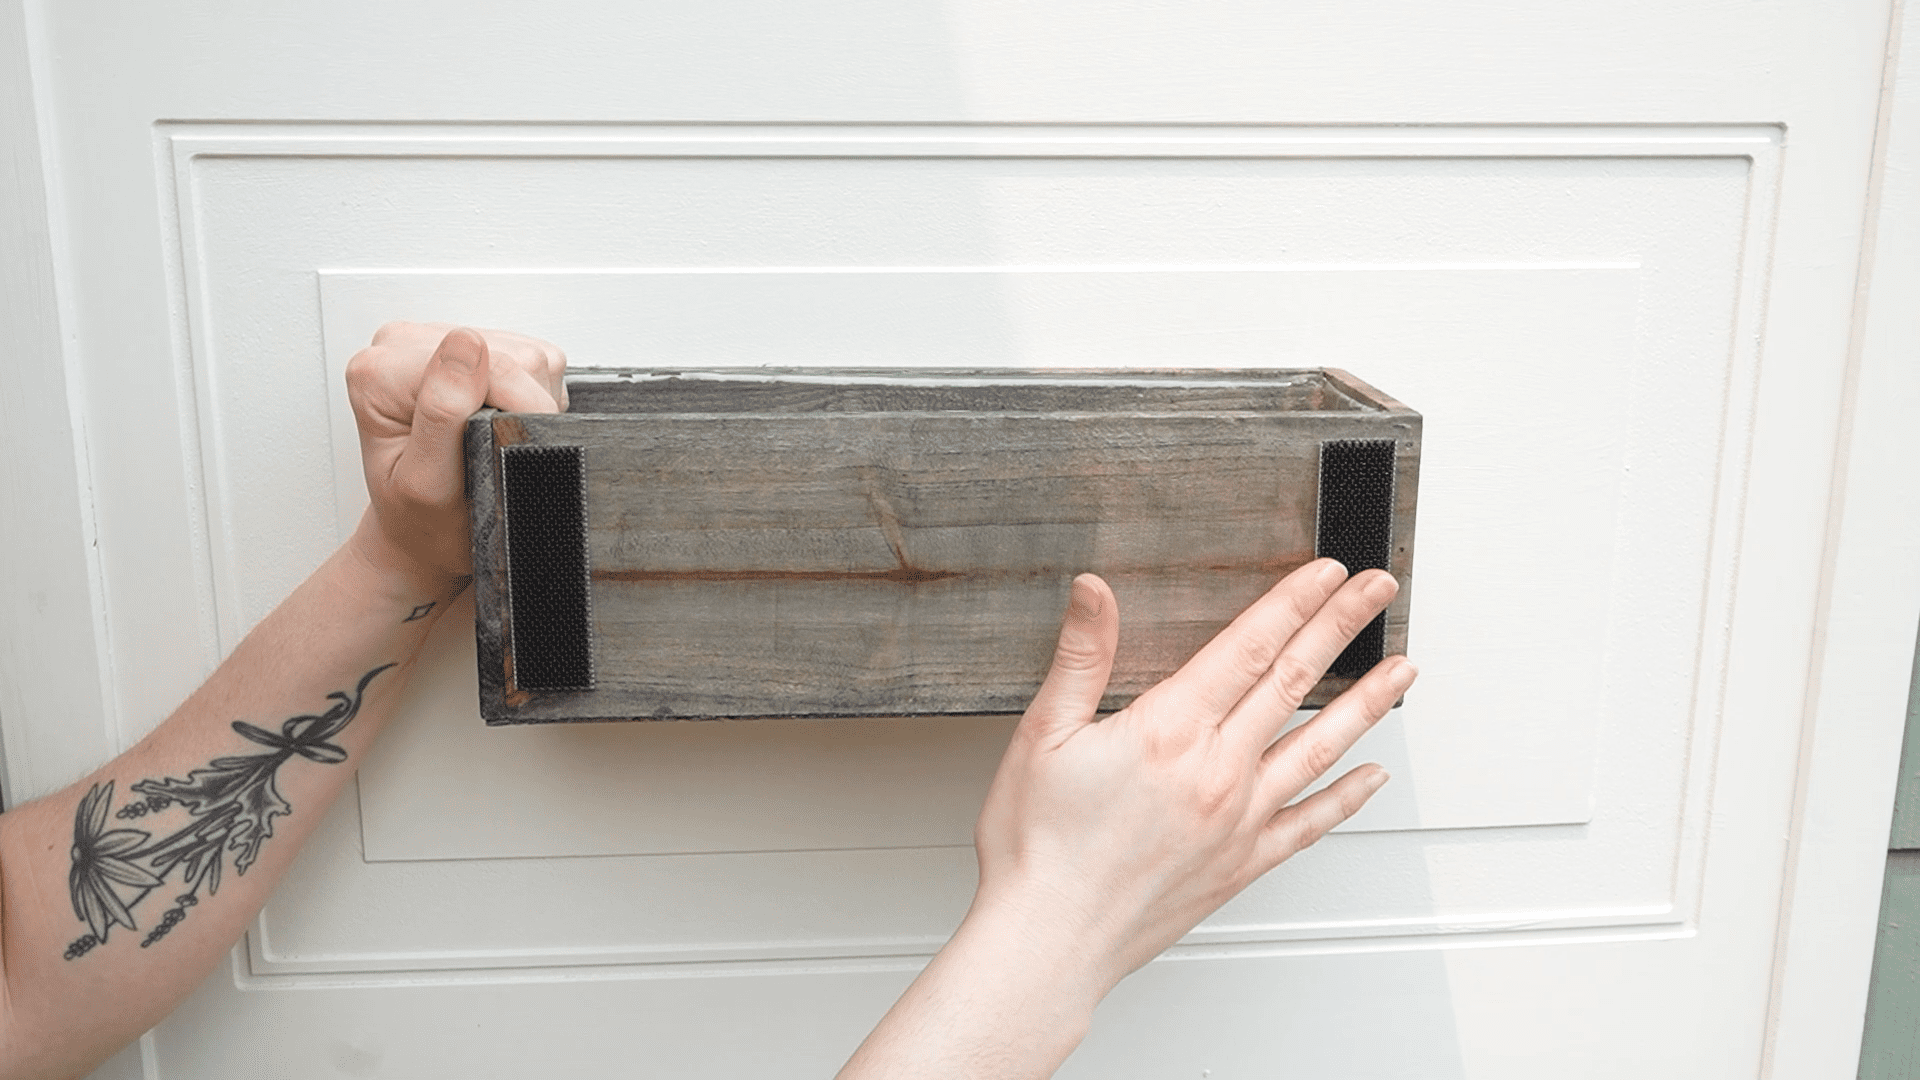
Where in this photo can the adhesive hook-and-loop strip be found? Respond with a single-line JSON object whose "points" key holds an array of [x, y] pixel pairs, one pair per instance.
{"points": [[547, 568], [1356, 527]]}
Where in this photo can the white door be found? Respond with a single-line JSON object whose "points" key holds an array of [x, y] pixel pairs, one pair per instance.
{"points": [[1610, 250]]}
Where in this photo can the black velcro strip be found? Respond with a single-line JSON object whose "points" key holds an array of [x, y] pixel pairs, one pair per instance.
{"points": [[547, 576], [1356, 527]]}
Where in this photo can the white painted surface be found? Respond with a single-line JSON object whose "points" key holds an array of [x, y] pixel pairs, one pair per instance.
{"points": [[50, 586], [1626, 321], [1514, 479], [687, 785], [1870, 605], [52, 724]]}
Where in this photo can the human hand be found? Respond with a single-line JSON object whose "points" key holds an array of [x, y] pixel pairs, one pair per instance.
{"points": [[412, 391], [1106, 841]]}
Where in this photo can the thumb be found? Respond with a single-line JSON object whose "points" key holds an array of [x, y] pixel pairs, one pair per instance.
{"points": [[1082, 660], [453, 388]]}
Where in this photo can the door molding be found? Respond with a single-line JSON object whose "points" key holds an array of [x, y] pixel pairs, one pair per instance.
{"points": [[183, 144]]}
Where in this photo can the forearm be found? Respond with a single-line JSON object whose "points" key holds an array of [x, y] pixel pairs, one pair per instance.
{"points": [[121, 892], [1009, 997]]}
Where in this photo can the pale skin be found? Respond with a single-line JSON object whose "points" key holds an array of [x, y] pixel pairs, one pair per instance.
{"points": [[1102, 840]]}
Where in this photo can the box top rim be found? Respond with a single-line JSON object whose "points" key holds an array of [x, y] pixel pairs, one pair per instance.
{"points": [[1359, 396]]}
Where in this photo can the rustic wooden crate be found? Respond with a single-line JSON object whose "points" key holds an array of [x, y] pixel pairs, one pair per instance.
{"points": [[858, 543]]}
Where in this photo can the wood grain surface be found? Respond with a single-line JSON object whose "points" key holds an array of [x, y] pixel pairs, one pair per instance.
{"points": [[902, 543]]}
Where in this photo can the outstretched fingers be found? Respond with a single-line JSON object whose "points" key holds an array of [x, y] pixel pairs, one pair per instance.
{"points": [[1304, 754], [1301, 825], [1228, 666], [1263, 711]]}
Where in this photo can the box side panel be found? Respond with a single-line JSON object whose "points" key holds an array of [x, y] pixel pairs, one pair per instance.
{"points": [[917, 564], [492, 622]]}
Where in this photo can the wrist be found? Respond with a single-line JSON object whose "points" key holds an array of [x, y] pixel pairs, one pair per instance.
{"points": [[393, 572], [1002, 998], [1039, 948]]}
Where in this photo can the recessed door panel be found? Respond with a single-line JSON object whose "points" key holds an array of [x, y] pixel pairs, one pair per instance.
{"points": [[1567, 319]]}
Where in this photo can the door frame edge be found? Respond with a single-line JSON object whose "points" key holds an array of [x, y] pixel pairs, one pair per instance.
{"points": [[52, 627], [1854, 713]]}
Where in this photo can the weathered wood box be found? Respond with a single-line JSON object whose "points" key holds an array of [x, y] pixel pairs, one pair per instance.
{"points": [[750, 543]]}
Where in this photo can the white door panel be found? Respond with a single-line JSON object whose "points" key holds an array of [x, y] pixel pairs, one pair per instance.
{"points": [[1574, 373], [1608, 251]]}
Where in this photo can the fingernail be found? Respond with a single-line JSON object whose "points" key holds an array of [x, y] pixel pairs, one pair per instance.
{"points": [[1335, 571], [1086, 600], [1377, 780], [1382, 586], [462, 356]]}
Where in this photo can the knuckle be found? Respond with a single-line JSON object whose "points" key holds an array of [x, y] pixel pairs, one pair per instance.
{"points": [[1313, 828], [446, 401], [424, 491], [1353, 620], [1324, 814], [395, 329], [364, 366], [408, 488], [530, 361], [1215, 792], [438, 410], [1252, 654], [1076, 652], [1316, 756], [1301, 608], [1293, 677], [1164, 741], [1292, 837]]}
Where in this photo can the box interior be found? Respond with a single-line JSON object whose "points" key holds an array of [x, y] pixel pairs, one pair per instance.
{"points": [[818, 391]]}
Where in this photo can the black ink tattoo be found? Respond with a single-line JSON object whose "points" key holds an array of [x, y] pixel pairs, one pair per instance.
{"points": [[422, 611], [231, 804]]}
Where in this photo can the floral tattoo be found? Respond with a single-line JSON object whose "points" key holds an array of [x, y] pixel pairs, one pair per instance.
{"points": [[230, 804]]}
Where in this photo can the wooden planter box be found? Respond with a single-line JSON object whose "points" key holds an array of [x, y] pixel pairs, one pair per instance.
{"points": [[757, 543]]}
